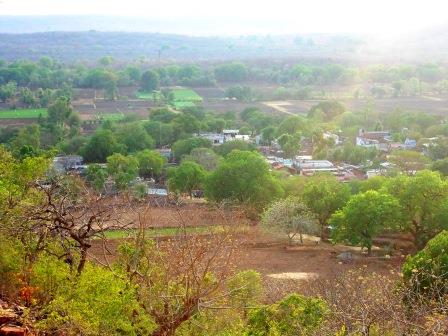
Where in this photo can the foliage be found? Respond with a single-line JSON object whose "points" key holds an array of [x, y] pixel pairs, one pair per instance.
{"points": [[149, 81], [134, 137], [324, 195], [229, 146], [101, 145], [243, 177], [123, 169], [426, 273], [184, 147], [186, 178], [150, 163], [408, 161], [293, 315], [365, 216], [245, 289], [205, 157], [96, 176], [290, 217]]}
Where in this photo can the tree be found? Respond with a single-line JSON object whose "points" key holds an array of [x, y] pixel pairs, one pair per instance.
{"points": [[134, 137], [290, 144], [185, 146], [101, 144], [426, 273], [324, 195], [60, 111], [186, 178], [293, 315], [123, 169], [149, 81], [205, 157], [232, 145], [441, 166], [150, 163], [408, 161], [423, 204], [268, 134], [245, 289], [96, 176], [330, 109], [290, 217], [243, 177], [27, 136], [365, 216], [7, 91]]}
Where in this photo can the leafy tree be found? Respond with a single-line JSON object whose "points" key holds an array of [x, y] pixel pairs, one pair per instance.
{"points": [[408, 161], [243, 93], [134, 137], [441, 166], [101, 144], [149, 81], [185, 146], [330, 110], [423, 203], [96, 176], [123, 169], [290, 217], [205, 157], [163, 134], [150, 163], [7, 91], [293, 315], [268, 134], [243, 177], [365, 216], [186, 178], [232, 72], [324, 195], [27, 136], [60, 111], [426, 273], [232, 145], [292, 125], [290, 144]]}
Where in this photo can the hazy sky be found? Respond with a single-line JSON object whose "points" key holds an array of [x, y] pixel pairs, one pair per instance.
{"points": [[295, 16]]}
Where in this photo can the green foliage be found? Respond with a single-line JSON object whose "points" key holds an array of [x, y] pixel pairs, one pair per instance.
{"points": [[149, 81], [101, 144], [245, 289], [205, 157], [290, 217], [427, 272], [326, 110], [60, 111], [324, 195], [441, 166], [292, 316], [243, 177], [23, 113], [423, 203], [96, 176], [184, 147], [365, 216], [123, 169], [27, 136], [134, 137], [186, 178], [229, 146], [96, 303], [234, 72], [150, 163]]}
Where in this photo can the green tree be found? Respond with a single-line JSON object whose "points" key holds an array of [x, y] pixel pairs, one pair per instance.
{"points": [[324, 195], [134, 137], [185, 146], [7, 91], [365, 216], [423, 203], [290, 217], [408, 161], [290, 144], [27, 136], [245, 289], [205, 157], [243, 177], [123, 169], [426, 273], [186, 178], [101, 144], [150, 163], [149, 81], [441, 166], [293, 315], [96, 176], [60, 111], [230, 146]]}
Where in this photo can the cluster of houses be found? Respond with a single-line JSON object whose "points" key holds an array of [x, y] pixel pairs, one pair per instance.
{"points": [[226, 135], [382, 140]]}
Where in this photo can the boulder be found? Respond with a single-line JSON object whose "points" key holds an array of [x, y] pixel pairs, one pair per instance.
{"points": [[12, 331]]}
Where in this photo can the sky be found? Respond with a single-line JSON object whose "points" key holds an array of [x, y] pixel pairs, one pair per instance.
{"points": [[281, 16]]}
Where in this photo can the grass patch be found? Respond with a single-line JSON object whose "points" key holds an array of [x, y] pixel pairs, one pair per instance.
{"points": [[183, 104], [143, 95], [23, 113], [165, 232], [185, 95]]}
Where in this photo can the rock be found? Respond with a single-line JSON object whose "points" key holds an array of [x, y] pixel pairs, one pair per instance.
{"points": [[7, 316], [12, 331], [345, 256]]}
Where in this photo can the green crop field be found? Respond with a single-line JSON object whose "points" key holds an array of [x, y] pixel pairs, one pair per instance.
{"points": [[183, 104], [111, 116], [163, 232], [23, 113], [186, 95], [149, 95]]}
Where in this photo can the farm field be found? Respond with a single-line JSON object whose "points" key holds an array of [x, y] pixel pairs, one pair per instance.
{"points": [[185, 95], [23, 113]]}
